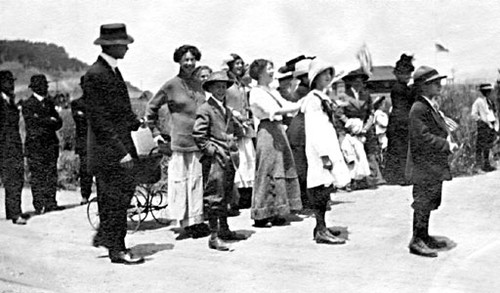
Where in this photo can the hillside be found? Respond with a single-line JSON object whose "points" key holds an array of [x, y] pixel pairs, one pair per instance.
{"points": [[25, 58]]}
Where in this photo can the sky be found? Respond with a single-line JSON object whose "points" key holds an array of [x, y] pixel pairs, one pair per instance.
{"points": [[278, 30]]}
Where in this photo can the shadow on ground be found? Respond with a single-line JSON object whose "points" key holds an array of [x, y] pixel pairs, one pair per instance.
{"points": [[148, 249]]}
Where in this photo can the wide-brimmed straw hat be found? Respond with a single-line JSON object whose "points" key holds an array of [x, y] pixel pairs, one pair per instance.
{"points": [[426, 74], [114, 34], [485, 87], [218, 76], [301, 67], [316, 67]]}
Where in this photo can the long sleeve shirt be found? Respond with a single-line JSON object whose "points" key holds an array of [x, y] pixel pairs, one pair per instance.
{"points": [[482, 111]]}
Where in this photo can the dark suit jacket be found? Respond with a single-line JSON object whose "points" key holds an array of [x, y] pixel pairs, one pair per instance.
{"points": [[110, 117], [10, 138], [42, 121], [212, 129], [79, 114], [429, 149]]}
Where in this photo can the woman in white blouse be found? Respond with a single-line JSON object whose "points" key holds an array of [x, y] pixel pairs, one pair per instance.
{"points": [[327, 169], [276, 187]]}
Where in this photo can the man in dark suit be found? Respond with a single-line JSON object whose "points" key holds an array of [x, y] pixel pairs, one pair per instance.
{"points": [[42, 144], [11, 150], [79, 113], [110, 147], [427, 166]]}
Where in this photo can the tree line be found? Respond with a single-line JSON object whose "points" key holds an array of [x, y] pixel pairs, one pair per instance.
{"points": [[49, 57]]}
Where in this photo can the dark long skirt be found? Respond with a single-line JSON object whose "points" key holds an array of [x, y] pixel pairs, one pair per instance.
{"points": [[276, 188], [397, 150]]}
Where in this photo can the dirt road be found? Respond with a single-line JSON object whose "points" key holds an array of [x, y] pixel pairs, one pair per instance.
{"points": [[53, 252]]}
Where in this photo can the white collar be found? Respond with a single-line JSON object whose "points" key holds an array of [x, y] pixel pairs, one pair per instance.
{"points": [[5, 97], [38, 97], [221, 105], [110, 60]]}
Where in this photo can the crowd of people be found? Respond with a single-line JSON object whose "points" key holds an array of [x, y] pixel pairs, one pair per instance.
{"points": [[235, 141]]}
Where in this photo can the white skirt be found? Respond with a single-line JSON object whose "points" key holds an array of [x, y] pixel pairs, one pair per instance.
{"points": [[185, 188], [245, 174]]}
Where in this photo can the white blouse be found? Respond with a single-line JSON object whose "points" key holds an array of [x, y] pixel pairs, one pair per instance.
{"points": [[264, 104]]}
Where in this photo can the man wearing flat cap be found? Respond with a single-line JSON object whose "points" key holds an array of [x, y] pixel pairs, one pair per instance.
{"points": [[11, 150], [427, 164], [110, 147], [42, 144]]}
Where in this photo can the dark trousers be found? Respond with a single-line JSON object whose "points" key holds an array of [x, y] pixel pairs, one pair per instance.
{"points": [[13, 180], [218, 186], [115, 189], [319, 196], [85, 177], [43, 168], [485, 138], [427, 195]]}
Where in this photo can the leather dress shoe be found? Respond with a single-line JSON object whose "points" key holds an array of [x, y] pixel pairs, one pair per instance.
{"points": [[231, 235], [330, 232], [278, 221], [197, 230], [54, 208], [264, 223], [418, 247], [125, 257], [233, 212], [322, 237], [488, 168], [19, 221], [217, 244], [434, 243]]}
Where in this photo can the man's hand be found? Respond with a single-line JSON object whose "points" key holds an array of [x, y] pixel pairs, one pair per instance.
{"points": [[126, 162], [453, 145]]}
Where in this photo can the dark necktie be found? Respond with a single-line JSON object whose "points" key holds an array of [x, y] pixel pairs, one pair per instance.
{"points": [[118, 74]]}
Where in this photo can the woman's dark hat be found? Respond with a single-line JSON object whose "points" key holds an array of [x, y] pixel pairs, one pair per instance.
{"points": [[426, 74], [218, 76], [114, 34], [404, 64], [351, 76]]}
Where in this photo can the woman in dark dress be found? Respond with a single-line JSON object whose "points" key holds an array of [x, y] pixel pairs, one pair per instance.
{"points": [[397, 130]]}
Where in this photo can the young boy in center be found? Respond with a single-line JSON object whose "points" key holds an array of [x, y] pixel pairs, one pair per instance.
{"points": [[213, 133]]}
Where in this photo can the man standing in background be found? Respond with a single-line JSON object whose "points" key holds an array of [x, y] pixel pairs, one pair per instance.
{"points": [[11, 150], [80, 117], [42, 145]]}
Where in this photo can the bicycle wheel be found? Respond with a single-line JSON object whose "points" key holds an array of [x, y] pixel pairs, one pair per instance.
{"points": [[93, 213], [138, 209], [158, 206]]}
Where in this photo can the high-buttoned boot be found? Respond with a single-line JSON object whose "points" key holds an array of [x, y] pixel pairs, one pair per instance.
{"points": [[432, 242], [214, 242], [418, 245]]}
